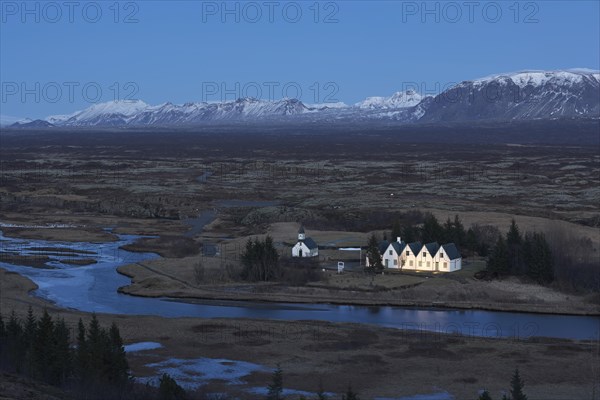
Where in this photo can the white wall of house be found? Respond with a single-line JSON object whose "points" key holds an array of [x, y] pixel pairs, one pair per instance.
{"points": [[445, 264], [423, 261], [302, 250], [390, 258]]}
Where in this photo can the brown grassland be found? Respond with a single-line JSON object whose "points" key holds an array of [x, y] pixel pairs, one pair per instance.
{"points": [[343, 188]]}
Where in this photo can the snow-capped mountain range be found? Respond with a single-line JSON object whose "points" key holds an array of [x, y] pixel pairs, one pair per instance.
{"points": [[515, 96]]}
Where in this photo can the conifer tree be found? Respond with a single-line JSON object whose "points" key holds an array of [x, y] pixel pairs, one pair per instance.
{"points": [[538, 257], [15, 342], [118, 364], [373, 254], [350, 394], [276, 387], [432, 230], [61, 353], [42, 356], [471, 242], [516, 387], [81, 353], [410, 234], [396, 231], [498, 260], [169, 389], [514, 242], [485, 395]]}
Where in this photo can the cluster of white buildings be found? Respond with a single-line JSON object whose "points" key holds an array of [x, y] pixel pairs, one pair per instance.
{"points": [[416, 256]]}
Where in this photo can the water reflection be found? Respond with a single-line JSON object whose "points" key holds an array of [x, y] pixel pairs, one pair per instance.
{"points": [[94, 288]]}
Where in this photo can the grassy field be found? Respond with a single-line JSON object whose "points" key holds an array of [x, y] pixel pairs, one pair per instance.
{"points": [[377, 361], [343, 187]]}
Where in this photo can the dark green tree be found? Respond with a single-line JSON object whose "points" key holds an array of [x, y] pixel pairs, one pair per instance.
{"points": [[260, 260], [96, 349], [485, 395], [410, 234], [538, 258], [516, 387], [514, 242], [29, 339], [350, 394], [447, 233], [42, 355], [15, 343], [275, 391], [372, 253], [169, 389], [396, 231], [498, 260], [432, 230], [471, 243], [459, 235], [119, 367], [82, 364], [61, 353]]}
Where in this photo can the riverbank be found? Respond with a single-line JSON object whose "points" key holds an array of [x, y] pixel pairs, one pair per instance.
{"points": [[174, 279], [339, 353]]}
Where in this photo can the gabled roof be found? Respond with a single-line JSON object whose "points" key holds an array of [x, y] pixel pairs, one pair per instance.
{"points": [[310, 243], [432, 248], [451, 251], [398, 247], [383, 245], [415, 247]]}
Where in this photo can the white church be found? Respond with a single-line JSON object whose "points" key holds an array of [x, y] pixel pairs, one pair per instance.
{"points": [[306, 247]]}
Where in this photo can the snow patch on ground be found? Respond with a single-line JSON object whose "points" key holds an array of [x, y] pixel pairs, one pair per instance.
{"points": [[194, 373], [141, 346]]}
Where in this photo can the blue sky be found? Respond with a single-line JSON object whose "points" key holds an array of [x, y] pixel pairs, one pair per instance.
{"points": [[341, 50]]}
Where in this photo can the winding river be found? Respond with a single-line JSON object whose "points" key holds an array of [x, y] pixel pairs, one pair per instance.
{"points": [[94, 288]]}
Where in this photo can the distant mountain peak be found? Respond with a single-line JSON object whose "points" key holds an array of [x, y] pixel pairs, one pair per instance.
{"points": [[409, 98], [520, 95]]}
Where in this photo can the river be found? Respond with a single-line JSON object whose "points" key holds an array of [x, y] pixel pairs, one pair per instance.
{"points": [[93, 288]]}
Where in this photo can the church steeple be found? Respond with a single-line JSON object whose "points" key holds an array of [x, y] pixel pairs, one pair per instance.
{"points": [[301, 235]]}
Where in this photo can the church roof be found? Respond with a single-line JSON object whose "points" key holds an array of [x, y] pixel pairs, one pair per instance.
{"points": [[310, 243]]}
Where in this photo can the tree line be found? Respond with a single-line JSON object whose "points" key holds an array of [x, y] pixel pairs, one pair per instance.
{"points": [[92, 365], [522, 255], [260, 260], [468, 241], [41, 348], [431, 230]]}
